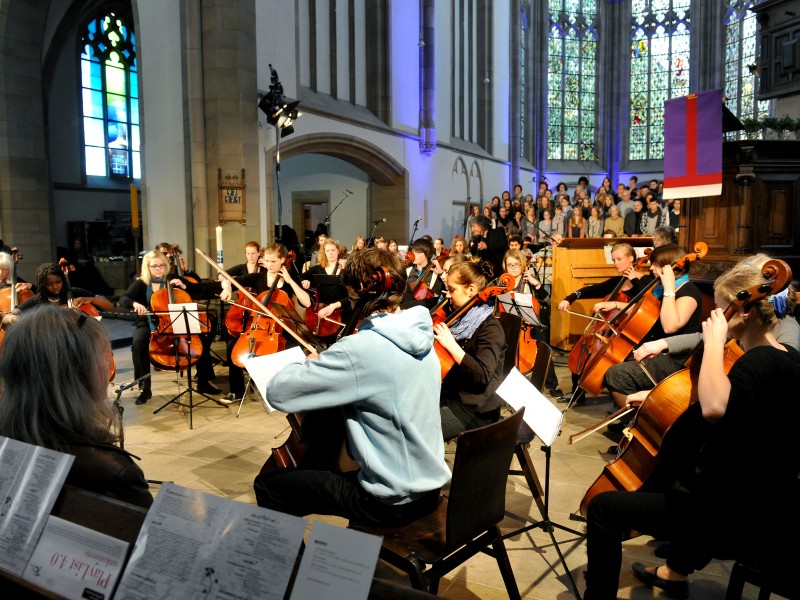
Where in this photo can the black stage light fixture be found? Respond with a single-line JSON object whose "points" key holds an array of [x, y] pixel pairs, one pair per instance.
{"points": [[281, 111]]}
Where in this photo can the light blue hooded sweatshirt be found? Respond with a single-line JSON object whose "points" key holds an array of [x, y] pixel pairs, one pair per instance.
{"points": [[386, 378]]}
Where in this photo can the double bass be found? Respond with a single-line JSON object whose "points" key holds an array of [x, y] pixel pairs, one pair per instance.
{"points": [[667, 423]]}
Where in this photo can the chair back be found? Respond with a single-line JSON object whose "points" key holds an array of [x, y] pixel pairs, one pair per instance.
{"points": [[512, 325], [544, 356], [477, 496]]}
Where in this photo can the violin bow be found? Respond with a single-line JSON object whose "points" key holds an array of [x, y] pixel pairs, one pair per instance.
{"points": [[255, 301]]}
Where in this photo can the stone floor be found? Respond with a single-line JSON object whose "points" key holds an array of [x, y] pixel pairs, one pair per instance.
{"points": [[226, 447]]}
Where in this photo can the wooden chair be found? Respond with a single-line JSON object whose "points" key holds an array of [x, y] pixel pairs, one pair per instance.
{"points": [[748, 573], [467, 519]]}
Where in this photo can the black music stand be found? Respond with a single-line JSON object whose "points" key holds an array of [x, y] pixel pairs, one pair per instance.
{"points": [[551, 431], [182, 316]]}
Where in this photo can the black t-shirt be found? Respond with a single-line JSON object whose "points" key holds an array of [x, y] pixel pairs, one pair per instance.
{"points": [[695, 322]]}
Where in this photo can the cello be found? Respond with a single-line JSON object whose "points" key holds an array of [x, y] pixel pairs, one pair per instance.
{"points": [[652, 449], [167, 349], [321, 426], [261, 334], [620, 335], [10, 296]]}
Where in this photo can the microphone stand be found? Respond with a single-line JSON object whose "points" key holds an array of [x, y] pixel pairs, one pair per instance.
{"points": [[330, 214], [372, 235], [413, 232]]}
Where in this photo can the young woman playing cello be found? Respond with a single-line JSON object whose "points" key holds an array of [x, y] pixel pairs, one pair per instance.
{"points": [[629, 282], [273, 261], [153, 277], [477, 345], [731, 476], [332, 298], [680, 312]]}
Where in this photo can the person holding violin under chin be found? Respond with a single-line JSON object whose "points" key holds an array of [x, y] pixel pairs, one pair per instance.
{"points": [[274, 271], [477, 344], [53, 290], [384, 381], [424, 282], [153, 278], [730, 476]]}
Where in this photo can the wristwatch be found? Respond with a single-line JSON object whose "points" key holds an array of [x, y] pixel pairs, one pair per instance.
{"points": [[669, 294]]}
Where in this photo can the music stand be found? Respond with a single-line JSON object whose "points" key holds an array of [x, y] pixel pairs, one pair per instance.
{"points": [[181, 326], [546, 421]]}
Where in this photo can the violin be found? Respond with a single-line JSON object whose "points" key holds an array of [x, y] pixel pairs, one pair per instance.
{"points": [[419, 289], [668, 425], [90, 310], [168, 350], [628, 328], [446, 361]]}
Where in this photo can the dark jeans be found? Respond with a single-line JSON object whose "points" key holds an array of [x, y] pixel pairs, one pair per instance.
{"points": [[611, 515], [304, 492], [628, 377], [457, 418]]}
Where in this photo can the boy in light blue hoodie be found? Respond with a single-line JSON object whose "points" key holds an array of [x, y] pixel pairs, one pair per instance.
{"points": [[384, 381]]}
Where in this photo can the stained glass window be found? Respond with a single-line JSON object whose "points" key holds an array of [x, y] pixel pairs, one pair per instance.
{"points": [[110, 88], [659, 70], [741, 81], [524, 15], [572, 80]]}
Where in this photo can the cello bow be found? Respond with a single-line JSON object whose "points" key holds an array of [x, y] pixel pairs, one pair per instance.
{"points": [[256, 302]]}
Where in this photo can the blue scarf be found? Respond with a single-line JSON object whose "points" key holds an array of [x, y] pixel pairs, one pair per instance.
{"points": [[658, 291], [467, 325]]}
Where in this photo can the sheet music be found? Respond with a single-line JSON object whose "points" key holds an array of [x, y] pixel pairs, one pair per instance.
{"points": [[263, 368], [337, 563], [31, 478], [520, 305], [178, 319], [540, 414], [197, 545]]}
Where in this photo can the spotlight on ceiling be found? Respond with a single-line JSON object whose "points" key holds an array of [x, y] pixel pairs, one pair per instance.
{"points": [[281, 111]]}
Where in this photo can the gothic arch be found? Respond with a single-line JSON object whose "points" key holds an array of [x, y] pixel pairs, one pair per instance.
{"points": [[388, 178]]}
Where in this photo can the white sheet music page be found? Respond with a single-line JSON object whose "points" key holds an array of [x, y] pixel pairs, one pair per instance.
{"points": [[76, 562], [540, 414], [337, 563], [197, 545], [31, 478], [179, 320], [263, 368]]}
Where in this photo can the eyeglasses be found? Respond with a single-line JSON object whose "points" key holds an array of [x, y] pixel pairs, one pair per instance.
{"points": [[158, 266], [513, 264]]}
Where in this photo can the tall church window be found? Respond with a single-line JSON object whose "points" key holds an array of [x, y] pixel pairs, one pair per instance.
{"points": [[572, 80], [110, 92], [741, 80], [659, 70], [524, 75]]}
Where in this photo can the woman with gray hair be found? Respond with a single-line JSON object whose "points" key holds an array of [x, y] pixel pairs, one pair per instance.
{"points": [[54, 372]]}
